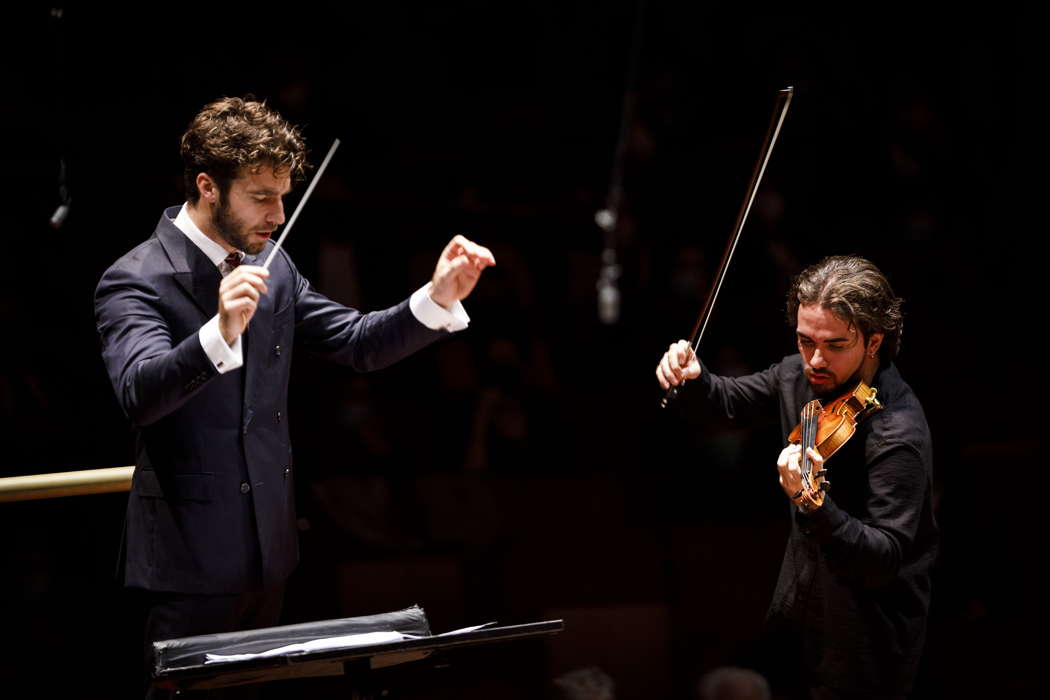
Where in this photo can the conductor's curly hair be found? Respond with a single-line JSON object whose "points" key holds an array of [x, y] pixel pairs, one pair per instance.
{"points": [[852, 288], [234, 133]]}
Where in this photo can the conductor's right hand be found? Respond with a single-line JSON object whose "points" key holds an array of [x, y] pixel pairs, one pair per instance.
{"points": [[239, 294], [677, 365]]}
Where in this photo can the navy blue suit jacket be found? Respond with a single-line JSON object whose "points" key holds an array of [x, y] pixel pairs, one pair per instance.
{"points": [[212, 506]]}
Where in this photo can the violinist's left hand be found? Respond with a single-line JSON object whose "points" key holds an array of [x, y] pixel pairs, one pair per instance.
{"points": [[788, 464], [458, 270]]}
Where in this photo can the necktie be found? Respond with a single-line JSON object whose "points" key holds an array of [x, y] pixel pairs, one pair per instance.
{"points": [[230, 262]]}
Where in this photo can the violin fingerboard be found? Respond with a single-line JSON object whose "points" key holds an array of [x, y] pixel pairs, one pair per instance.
{"points": [[810, 412]]}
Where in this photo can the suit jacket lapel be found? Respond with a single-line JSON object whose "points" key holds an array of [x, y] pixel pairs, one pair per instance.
{"points": [[196, 274], [193, 270], [255, 342]]}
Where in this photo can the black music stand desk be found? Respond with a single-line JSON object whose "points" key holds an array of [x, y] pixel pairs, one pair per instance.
{"points": [[185, 664]]}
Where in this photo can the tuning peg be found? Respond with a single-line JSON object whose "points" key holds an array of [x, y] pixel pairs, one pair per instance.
{"points": [[825, 486], [822, 473]]}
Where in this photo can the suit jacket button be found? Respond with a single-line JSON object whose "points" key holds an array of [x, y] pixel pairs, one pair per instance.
{"points": [[245, 487], [277, 350], [287, 471], [278, 416]]}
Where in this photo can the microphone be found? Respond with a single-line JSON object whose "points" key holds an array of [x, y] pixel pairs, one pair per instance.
{"points": [[62, 211], [59, 217], [608, 290]]}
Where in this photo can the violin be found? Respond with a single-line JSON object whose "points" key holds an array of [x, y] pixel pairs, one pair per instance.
{"points": [[826, 429]]}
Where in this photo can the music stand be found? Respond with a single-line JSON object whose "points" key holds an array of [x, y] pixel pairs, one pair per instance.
{"points": [[184, 663]]}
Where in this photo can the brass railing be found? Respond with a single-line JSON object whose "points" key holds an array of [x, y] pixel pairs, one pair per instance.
{"points": [[36, 486]]}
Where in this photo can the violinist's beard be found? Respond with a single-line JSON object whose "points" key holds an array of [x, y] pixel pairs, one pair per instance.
{"points": [[831, 389]]}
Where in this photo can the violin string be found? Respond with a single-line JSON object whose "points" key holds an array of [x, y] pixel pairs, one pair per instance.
{"points": [[805, 440], [811, 441]]}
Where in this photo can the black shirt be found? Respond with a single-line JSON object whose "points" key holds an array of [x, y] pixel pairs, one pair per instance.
{"points": [[854, 586]]}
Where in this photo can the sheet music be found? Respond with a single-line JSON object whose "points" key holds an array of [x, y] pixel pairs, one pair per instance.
{"points": [[343, 642]]}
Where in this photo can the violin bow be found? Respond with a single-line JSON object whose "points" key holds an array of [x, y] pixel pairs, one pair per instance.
{"points": [[779, 113]]}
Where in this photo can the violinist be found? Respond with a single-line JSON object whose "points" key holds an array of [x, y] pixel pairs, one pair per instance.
{"points": [[848, 616], [197, 337]]}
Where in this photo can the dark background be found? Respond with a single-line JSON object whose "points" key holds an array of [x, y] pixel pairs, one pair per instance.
{"points": [[521, 470]]}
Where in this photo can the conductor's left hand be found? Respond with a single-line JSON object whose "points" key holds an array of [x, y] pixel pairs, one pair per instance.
{"points": [[458, 270]]}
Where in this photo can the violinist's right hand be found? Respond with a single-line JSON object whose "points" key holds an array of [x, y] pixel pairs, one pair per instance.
{"points": [[677, 365]]}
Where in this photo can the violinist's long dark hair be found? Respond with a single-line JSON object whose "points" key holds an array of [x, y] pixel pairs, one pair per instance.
{"points": [[852, 288]]}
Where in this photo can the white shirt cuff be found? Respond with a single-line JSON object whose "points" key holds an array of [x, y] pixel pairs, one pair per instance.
{"points": [[433, 315], [221, 355]]}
